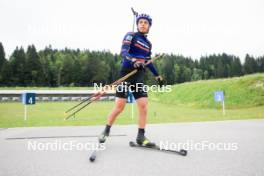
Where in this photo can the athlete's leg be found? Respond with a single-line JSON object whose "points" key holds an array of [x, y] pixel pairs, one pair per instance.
{"points": [[120, 104], [142, 104]]}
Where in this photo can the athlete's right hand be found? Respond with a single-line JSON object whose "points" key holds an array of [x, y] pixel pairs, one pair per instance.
{"points": [[138, 65]]}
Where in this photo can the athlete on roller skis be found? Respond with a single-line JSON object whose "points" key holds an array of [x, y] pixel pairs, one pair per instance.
{"points": [[135, 52]]}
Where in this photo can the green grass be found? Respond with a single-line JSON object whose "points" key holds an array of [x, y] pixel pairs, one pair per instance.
{"points": [[188, 102], [51, 114], [240, 92]]}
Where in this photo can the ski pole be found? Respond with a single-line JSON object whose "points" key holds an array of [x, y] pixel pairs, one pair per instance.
{"points": [[135, 14], [97, 95]]}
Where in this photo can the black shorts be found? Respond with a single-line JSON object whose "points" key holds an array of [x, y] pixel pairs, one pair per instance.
{"points": [[134, 84]]}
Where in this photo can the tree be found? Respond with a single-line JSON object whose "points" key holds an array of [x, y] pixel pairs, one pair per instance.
{"points": [[260, 62], [2, 56], [34, 72], [2, 61], [176, 73], [250, 65], [73, 67], [197, 74], [187, 74], [18, 67], [220, 69], [236, 67], [168, 70], [6, 75], [205, 74], [94, 70], [67, 70]]}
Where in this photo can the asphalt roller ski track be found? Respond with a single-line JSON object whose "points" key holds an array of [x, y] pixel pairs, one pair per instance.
{"points": [[120, 159]]}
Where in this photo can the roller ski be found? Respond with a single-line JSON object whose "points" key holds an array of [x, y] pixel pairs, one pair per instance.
{"points": [[143, 142]]}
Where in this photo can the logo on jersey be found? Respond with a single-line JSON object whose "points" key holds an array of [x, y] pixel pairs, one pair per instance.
{"points": [[142, 44], [129, 38]]}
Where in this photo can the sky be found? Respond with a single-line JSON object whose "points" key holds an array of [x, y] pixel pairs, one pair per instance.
{"points": [[192, 28]]}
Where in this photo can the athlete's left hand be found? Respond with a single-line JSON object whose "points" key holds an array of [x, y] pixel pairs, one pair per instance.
{"points": [[160, 80]]}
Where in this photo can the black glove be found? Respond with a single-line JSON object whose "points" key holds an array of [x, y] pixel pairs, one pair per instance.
{"points": [[160, 82], [138, 65]]}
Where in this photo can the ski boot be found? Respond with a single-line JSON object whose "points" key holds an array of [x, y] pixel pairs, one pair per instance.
{"points": [[143, 141], [105, 134]]}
